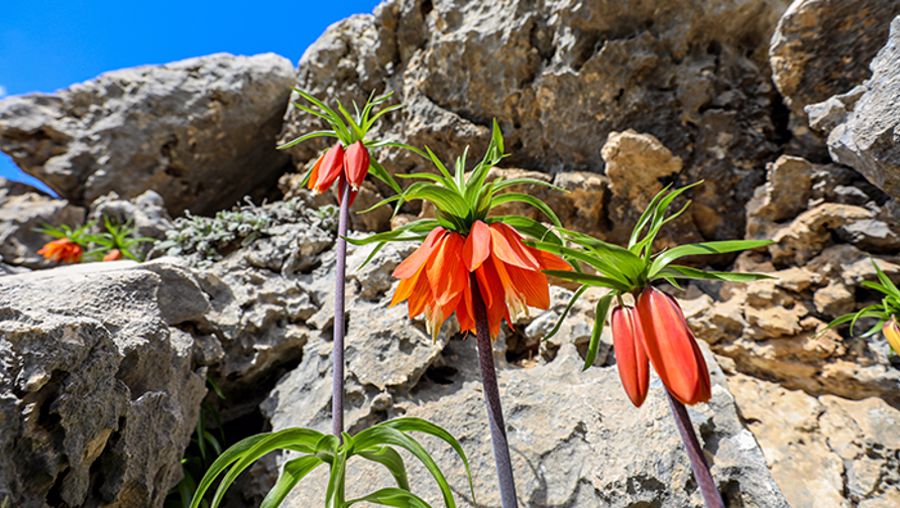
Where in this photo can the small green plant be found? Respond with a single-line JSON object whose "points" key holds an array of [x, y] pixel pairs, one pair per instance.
{"points": [[85, 243], [116, 242], [376, 444], [884, 312]]}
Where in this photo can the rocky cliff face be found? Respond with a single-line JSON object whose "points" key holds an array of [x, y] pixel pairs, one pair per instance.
{"points": [[788, 112]]}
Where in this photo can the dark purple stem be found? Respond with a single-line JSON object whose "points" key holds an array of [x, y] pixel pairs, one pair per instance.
{"points": [[711, 496], [492, 400], [337, 383]]}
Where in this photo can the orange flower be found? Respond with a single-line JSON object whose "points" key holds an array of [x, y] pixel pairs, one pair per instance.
{"points": [[631, 359], [113, 255], [62, 250], [671, 347], [327, 169], [437, 278], [350, 165]]}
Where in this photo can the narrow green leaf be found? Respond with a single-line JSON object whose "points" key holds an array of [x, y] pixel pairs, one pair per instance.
{"points": [[599, 320], [391, 460], [687, 272], [693, 249], [590, 280], [310, 135], [392, 497], [575, 296], [293, 471], [518, 197]]}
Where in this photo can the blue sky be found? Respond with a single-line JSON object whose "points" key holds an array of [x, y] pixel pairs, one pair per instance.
{"points": [[46, 45]]}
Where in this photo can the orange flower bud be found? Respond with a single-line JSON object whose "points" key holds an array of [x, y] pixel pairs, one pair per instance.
{"points": [[328, 169], [356, 164], [113, 255], [631, 359], [672, 348]]}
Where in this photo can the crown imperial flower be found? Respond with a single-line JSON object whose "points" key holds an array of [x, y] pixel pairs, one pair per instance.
{"points": [[62, 250]]}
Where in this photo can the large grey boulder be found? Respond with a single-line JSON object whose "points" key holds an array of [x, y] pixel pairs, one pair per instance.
{"points": [[823, 47], [200, 132], [863, 125], [561, 76], [98, 391], [23, 210]]}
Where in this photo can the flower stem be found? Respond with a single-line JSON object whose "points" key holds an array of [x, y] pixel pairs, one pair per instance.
{"points": [[492, 400], [337, 383], [711, 496]]}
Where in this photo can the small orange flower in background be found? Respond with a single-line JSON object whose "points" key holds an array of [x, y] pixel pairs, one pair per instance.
{"points": [[62, 250], [437, 277], [113, 255]]}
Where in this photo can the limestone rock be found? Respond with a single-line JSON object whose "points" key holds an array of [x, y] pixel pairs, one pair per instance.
{"points": [[560, 77], [868, 136], [98, 392], [200, 132], [824, 451], [23, 209], [821, 47], [635, 164]]}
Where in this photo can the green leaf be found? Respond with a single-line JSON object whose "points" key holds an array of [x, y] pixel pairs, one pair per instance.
{"points": [[886, 281], [687, 272], [529, 227], [611, 259], [575, 296], [293, 471], [392, 497], [518, 197], [297, 439], [380, 435], [391, 460], [512, 182], [599, 320], [310, 135], [693, 249], [382, 174], [412, 424], [589, 280], [440, 166]]}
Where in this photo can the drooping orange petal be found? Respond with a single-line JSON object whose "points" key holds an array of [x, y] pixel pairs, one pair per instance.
{"points": [[531, 286], [331, 168], [446, 272], [549, 261], [507, 245], [465, 311], [314, 174], [631, 359], [671, 347], [491, 290], [409, 266], [421, 297], [478, 246], [515, 302], [356, 164]]}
